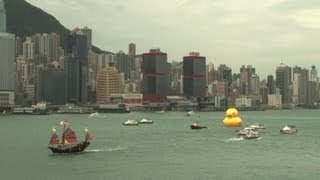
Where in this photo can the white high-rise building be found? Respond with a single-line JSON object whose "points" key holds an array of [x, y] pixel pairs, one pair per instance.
{"points": [[3, 19], [28, 48], [7, 54], [48, 45], [7, 58]]}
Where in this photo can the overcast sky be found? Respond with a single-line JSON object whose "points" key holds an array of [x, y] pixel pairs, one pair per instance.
{"points": [[261, 33]]}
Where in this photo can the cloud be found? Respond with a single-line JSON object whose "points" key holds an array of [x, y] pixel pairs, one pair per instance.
{"points": [[309, 18], [286, 6], [260, 33]]}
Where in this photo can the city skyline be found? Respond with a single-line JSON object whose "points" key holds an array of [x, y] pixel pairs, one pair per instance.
{"points": [[261, 34]]}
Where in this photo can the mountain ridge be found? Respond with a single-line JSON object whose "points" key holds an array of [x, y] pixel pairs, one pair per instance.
{"points": [[24, 19]]}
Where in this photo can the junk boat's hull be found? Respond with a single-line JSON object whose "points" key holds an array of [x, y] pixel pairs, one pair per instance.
{"points": [[70, 148]]}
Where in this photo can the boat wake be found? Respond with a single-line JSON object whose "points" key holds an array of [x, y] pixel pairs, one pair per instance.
{"points": [[104, 150], [235, 139], [100, 116]]}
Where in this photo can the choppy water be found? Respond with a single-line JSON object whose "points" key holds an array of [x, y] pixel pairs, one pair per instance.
{"points": [[167, 149]]}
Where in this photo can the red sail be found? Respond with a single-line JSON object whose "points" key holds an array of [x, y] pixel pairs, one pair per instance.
{"points": [[89, 137], [69, 136], [54, 139]]}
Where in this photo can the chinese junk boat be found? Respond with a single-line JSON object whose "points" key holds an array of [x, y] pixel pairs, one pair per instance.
{"points": [[68, 143]]}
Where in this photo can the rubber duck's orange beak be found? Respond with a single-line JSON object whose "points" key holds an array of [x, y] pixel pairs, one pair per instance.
{"points": [[229, 115]]}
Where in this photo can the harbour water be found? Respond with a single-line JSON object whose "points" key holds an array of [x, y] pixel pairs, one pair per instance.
{"points": [[166, 149]]}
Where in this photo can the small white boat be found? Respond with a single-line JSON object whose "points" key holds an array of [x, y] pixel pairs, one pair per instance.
{"points": [[96, 114], [257, 126], [289, 129], [162, 111], [244, 131], [131, 122], [251, 135], [146, 120], [189, 113]]}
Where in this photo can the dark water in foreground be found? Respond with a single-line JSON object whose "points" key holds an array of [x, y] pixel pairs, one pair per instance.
{"points": [[167, 149]]}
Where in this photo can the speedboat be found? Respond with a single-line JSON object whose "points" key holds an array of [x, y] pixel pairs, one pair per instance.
{"points": [[197, 125], [146, 120], [96, 114], [189, 113], [258, 126], [289, 129], [251, 135], [131, 122], [246, 130]]}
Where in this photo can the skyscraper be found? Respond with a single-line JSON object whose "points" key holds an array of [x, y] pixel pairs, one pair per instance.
{"points": [[109, 81], [194, 75], [19, 48], [3, 19], [28, 48], [77, 67], [132, 49], [125, 64], [283, 77], [313, 86], [314, 74], [54, 47], [88, 33], [7, 59], [211, 73], [53, 85], [225, 74], [271, 85], [304, 78], [296, 89], [48, 45], [155, 81], [245, 79]]}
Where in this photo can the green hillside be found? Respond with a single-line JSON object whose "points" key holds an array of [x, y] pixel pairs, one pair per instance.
{"points": [[24, 19]]}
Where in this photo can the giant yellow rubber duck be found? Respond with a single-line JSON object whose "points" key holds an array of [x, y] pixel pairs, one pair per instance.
{"points": [[232, 118]]}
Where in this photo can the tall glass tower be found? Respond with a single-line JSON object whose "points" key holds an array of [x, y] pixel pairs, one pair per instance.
{"points": [[155, 83], [7, 54], [3, 23]]}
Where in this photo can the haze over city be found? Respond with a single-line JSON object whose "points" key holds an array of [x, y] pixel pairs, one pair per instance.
{"points": [[262, 34]]}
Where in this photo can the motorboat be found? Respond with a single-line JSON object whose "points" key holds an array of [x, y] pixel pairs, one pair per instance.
{"points": [[197, 125], [162, 111], [131, 122], [146, 120], [289, 129], [244, 131], [257, 126], [189, 113], [251, 135], [96, 114]]}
